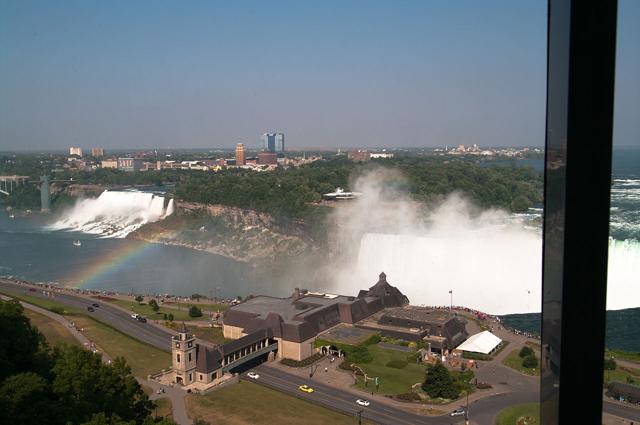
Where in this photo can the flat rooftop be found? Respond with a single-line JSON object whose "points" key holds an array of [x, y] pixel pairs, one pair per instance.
{"points": [[422, 314], [289, 308], [346, 334]]}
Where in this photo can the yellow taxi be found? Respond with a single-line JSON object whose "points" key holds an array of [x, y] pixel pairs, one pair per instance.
{"points": [[305, 388]]}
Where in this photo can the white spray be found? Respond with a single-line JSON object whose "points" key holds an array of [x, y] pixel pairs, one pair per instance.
{"points": [[114, 214]]}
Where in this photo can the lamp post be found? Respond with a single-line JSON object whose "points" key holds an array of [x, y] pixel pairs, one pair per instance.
{"points": [[466, 411], [451, 300]]}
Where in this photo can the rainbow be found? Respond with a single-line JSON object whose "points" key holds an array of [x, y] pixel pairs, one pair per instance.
{"points": [[114, 259]]}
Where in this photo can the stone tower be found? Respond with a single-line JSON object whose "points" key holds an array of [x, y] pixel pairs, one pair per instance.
{"points": [[184, 357]]}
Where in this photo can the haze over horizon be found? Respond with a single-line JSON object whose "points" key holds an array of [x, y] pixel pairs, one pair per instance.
{"points": [[202, 75]]}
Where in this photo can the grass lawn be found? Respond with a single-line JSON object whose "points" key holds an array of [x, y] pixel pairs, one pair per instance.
{"points": [[203, 306], [621, 375], [54, 332], [515, 362], [145, 310], [143, 359], [510, 415], [46, 303], [624, 355], [208, 334], [248, 403], [392, 380]]}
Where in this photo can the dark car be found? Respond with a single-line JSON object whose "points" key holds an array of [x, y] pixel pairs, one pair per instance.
{"points": [[91, 308], [142, 319], [95, 305]]}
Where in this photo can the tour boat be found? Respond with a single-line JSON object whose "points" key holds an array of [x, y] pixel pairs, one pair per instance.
{"points": [[77, 243]]}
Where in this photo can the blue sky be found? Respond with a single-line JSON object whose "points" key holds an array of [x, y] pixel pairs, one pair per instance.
{"points": [[145, 74]]}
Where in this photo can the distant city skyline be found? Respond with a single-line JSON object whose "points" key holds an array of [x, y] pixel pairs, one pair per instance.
{"points": [[151, 75]]}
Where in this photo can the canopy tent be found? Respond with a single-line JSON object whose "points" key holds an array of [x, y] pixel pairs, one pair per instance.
{"points": [[483, 342]]}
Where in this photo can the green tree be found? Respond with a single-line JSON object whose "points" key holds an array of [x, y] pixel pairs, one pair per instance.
{"points": [[22, 347], [170, 317], [525, 351], [530, 361], [24, 398], [194, 311], [439, 383], [139, 299], [85, 386], [154, 305]]}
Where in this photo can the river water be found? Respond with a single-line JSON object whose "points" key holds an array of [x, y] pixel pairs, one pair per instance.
{"points": [[32, 249]]}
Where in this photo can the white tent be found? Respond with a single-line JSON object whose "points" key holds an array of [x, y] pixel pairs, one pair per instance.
{"points": [[484, 342]]}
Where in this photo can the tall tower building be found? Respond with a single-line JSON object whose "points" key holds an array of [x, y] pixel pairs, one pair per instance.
{"points": [[183, 352], [97, 152], [240, 159], [272, 142], [75, 150]]}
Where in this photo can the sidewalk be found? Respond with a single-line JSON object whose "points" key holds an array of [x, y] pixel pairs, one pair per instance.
{"points": [[176, 397]]}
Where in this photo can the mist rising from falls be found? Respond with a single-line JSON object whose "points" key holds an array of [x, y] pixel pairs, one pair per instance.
{"points": [[114, 214], [491, 260]]}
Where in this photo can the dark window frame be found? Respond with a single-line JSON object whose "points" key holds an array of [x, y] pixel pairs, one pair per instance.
{"points": [[580, 96]]}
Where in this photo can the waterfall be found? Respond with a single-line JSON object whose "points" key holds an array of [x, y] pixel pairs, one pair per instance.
{"points": [[114, 214], [498, 273]]}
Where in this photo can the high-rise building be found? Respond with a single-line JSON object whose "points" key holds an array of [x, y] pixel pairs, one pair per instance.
{"points": [[75, 150], [97, 152], [240, 160], [273, 142]]}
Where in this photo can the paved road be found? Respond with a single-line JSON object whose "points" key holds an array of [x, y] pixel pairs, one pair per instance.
{"points": [[482, 411], [119, 319]]}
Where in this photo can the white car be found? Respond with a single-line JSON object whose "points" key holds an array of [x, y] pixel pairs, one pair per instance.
{"points": [[458, 412], [362, 402], [134, 316], [253, 375]]}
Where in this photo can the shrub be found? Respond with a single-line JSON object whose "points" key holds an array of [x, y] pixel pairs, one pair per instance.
{"points": [[439, 383], [194, 311], [525, 351], [170, 317], [359, 354], [530, 362], [396, 364], [373, 339], [610, 364], [302, 363], [139, 299], [408, 397]]}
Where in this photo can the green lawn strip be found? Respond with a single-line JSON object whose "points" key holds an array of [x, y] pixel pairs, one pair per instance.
{"points": [[143, 358], [624, 355], [146, 310], [511, 415], [250, 403], [54, 332], [203, 306], [46, 303], [392, 380], [514, 361], [621, 375], [210, 334]]}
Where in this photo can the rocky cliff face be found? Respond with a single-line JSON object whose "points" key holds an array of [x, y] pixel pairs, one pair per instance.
{"points": [[242, 235]]}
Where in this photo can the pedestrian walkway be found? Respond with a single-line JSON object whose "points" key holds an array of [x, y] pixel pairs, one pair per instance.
{"points": [[176, 397]]}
